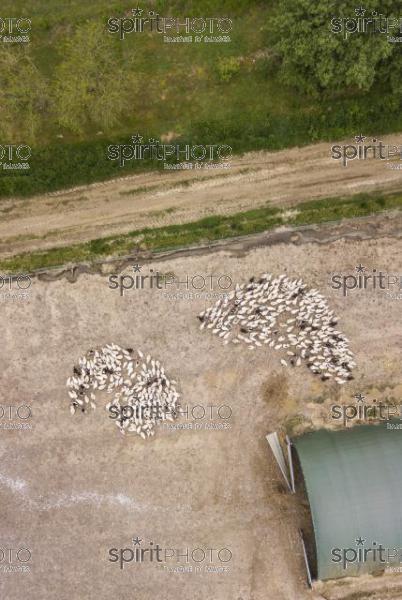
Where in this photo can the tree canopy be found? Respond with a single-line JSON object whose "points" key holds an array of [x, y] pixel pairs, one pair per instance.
{"points": [[22, 94], [314, 58], [91, 84]]}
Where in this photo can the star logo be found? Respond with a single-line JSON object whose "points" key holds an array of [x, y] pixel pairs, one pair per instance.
{"points": [[137, 12], [137, 138], [360, 541], [360, 11], [136, 268], [137, 541], [360, 138], [359, 397], [360, 268]]}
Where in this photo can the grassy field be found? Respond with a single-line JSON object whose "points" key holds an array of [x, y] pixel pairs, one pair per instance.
{"points": [[206, 230], [196, 93]]}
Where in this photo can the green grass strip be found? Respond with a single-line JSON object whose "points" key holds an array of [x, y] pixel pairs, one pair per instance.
{"points": [[205, 230]]}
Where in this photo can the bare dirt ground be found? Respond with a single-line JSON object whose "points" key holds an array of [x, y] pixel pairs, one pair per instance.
{"points": [[71, 488], [156, 199]]}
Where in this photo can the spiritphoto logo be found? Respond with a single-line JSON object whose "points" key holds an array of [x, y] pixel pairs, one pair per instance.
{"points": [[363, 280], [366, 22], [209, 417], [15, 287], [364, 410], [15, 560], [14, 159], [174, 156], [15, 417], [364, 151], [169, 283], [362, 553], [200, 558], [173, 29], [15, 30]]}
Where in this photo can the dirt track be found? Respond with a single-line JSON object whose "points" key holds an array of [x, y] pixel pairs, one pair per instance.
{"points": [[156, 199]]}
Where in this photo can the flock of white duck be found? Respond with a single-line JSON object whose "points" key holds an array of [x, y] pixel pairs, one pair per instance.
{"points": [[279, 312], [134, 381]]}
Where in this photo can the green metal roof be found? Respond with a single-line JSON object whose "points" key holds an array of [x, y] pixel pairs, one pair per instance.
{"points": [[354, 485]]}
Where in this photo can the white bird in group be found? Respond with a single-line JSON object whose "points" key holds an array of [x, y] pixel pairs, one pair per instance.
{"points": [[283, 313]]}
